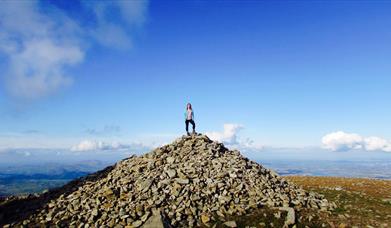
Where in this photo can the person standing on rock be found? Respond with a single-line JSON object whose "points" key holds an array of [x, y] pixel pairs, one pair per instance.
{"points": [[189, 118]]}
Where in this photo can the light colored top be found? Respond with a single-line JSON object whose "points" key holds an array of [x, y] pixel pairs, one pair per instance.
{"points": [[189, 114]]}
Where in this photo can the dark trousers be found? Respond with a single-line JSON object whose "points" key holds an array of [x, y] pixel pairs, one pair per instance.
{"points": [[187, 125]]}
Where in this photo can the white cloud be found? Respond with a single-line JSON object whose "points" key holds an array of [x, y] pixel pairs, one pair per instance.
{"points": [[341, 141], [41, 45], [39, 69], [38, 47], [376, 143], [88, 145], [133, 14], [112, 36], [229, 136]]}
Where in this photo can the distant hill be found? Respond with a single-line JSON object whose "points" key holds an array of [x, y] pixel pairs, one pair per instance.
{"points": [[26, 179]]}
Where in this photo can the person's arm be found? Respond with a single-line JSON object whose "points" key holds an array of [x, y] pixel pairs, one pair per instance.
{"points": [[192, 115]]}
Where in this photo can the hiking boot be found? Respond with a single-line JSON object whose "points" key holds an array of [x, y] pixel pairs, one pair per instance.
{"points": [[194, 133], [188, 134]]}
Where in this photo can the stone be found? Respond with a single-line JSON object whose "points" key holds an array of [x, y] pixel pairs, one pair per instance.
{"points": [[108, 192], [170, 160], [137, 223], [342, 225], [155, 221], [171, 173], [145, 217], [205, 218], [182, 181], [145, 185], [230, 224], [290, 217], [387, 200]]}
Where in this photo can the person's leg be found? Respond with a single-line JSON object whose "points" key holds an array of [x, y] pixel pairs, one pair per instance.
{"points": [[193, 123], [187, 126]]}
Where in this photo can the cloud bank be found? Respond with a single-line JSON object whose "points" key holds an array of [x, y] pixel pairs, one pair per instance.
{"points": [[41, 43], [90, 145], [341, 141], [229, 136]]}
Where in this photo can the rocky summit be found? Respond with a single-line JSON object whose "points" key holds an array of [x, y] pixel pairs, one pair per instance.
{"points": [[183, 184]]}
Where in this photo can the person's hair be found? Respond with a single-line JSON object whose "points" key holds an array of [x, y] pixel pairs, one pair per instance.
{"points": [[189, 106]]}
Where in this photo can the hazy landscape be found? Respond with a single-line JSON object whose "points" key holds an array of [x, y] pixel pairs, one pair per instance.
{"points": [[31, 174]]}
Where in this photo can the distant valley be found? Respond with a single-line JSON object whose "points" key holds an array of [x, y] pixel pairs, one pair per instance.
{"points": [[25, 179], [18, 179]]}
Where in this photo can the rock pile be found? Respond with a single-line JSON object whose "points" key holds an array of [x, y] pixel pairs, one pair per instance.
{"points": [[187, 182]]}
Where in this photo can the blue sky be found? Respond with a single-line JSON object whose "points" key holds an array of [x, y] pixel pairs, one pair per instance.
{"points": [[277, 74]]}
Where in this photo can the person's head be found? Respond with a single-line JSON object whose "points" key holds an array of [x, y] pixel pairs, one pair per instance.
{"points": [[189, 106]]}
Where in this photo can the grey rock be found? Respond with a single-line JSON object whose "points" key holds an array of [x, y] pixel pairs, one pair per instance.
{"points": [[137, 223], [155, 221], [145, 185], [95, 212], [182, 181], [290, 217], [170, 160], [171, 173], [230, 224]]}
